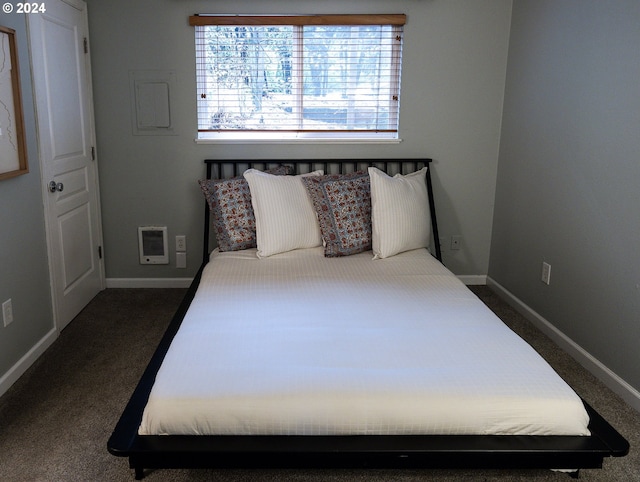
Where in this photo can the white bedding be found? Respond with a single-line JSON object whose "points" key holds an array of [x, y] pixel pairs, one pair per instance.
{"points": [[302, 344]]}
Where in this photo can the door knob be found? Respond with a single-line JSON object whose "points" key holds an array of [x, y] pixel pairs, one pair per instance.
{"points": [[53, 187]]}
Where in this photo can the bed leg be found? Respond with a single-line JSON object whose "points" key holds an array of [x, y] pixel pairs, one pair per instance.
{"points": [[575, 475], [139, 473]]}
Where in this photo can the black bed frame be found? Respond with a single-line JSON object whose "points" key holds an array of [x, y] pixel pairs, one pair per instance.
{"points": [[365, 451]]}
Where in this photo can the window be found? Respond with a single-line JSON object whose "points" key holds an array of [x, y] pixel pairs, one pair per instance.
{"points": [[298, 76]]}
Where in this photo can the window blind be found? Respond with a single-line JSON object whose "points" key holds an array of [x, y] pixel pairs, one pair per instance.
{"points": [[298, 74]]}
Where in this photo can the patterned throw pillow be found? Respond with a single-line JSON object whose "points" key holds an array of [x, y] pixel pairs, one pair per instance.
{"points": [[229, 201], [343, 206]]}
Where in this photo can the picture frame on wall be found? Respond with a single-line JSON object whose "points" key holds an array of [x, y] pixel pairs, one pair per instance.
{"points": [[13, 152]]}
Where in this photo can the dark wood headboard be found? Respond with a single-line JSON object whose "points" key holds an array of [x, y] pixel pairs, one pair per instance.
{"points": [[224, 169]]}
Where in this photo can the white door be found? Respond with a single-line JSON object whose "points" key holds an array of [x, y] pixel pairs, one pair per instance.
{"points": [[64, 110]]}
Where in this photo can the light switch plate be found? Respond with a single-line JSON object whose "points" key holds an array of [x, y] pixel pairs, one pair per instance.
{"points": [[181, 260]]}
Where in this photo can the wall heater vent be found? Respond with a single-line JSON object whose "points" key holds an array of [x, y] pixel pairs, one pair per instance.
{"points": [[153, 245]]}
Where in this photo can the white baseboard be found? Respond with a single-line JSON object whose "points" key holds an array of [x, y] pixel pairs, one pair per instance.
{"points": [[148, 282], [473, 279], [588, 361], [17, 370]]}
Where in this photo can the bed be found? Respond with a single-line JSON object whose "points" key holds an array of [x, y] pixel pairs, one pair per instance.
{"points": [[329, 341]]}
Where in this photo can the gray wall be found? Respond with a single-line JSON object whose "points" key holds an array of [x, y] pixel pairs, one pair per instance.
{"points": [[24, 272], [568, 185], [451, 103]]}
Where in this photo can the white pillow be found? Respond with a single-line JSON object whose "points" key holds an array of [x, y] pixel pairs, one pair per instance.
{"points": [[400, 218], [285, 217]]}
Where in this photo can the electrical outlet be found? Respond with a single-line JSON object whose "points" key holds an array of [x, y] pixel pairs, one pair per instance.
{"points": [[546, 273], [181, 243], [456, 242], [7, 312]]}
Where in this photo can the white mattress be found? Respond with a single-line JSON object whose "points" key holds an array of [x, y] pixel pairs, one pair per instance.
{"points": [[302, 344]]}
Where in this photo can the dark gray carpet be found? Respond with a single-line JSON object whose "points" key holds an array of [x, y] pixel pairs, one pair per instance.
{"points": [[56, 420]]}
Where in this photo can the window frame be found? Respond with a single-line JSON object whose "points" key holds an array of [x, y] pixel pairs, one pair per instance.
{"points": [[300, 135]]}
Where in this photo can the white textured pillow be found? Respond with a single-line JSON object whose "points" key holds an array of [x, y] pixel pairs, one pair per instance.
{"points": [[400, 218], [285, 217]]}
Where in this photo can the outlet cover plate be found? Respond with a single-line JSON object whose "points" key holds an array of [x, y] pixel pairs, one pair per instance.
{"points": [[7, 312], [546, 273]]}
